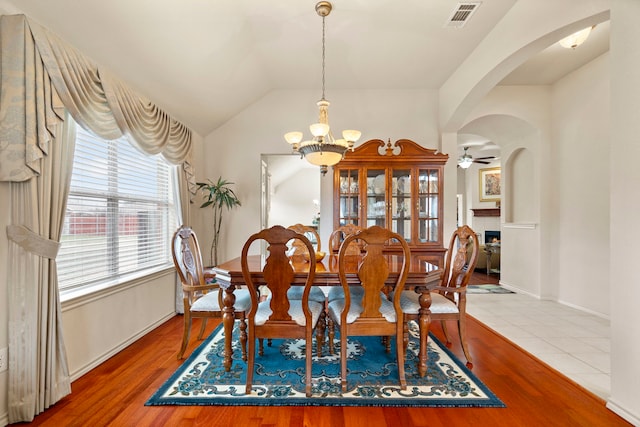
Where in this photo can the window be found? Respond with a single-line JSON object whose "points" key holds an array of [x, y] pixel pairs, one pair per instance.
{"points": [[120, 217]]}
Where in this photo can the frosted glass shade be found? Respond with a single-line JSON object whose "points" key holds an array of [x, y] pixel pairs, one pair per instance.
{"points": [[465, 163], [323, 158], [319, 129], [351, 135], [293, 137]]}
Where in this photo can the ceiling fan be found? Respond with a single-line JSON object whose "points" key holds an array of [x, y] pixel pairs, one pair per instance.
{"points": [[466, 160]]}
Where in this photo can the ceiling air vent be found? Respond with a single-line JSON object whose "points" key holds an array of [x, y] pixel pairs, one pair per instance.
{"points": [[462, 13]]}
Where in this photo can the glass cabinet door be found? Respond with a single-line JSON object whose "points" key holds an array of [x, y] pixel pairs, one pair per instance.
{"points": [[349, 197], [428, 195], [376, 208], [401, 206]]}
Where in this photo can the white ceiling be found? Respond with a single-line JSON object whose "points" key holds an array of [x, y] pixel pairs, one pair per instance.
{"points": [[205, 61]]}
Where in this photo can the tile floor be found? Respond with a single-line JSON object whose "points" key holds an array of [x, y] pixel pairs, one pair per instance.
{"points": [[571, 341]]}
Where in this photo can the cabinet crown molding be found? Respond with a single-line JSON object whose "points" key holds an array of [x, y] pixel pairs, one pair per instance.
{"points": [[401, 150]]}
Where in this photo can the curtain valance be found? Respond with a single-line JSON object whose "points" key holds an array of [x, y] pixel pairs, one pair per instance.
{"points": [[41, 74]]}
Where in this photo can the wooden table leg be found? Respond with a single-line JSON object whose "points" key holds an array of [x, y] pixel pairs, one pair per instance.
{"points": [[424, 323], [228, 319]]}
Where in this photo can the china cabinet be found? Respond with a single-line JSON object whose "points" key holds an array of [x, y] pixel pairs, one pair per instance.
{"points": [[397, 186]]}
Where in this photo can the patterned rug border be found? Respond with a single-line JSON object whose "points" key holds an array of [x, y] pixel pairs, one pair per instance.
{"points": [[160, 398], [488, 288]]}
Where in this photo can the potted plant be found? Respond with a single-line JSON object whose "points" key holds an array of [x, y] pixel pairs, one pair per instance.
{"points": [[218, 195]]}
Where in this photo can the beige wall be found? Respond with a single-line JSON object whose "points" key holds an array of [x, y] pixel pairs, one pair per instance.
{"points": [[580, 156], [97, 327]]}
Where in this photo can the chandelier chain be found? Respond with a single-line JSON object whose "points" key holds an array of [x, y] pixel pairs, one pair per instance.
{"points": [[323, 60]]}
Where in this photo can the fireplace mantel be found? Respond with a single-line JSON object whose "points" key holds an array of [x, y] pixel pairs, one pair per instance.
{"points": [[486, 212]]}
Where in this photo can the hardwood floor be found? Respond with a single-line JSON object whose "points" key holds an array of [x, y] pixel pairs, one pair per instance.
{"points": [[480, 278], [114, 393]]}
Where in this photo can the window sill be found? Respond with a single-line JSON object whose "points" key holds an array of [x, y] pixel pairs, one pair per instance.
{"points": [[76, 297]]}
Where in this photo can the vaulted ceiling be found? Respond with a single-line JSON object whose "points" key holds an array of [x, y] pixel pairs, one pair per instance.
{"points": [[204, 61]]}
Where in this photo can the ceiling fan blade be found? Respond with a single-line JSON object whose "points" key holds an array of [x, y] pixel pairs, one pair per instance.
{"points": [[486, 157], [480, 161]]}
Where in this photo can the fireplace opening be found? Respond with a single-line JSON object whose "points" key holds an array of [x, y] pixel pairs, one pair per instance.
{"points": [[491, 236]]}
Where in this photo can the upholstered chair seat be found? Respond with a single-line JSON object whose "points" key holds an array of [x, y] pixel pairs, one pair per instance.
{"points": [[439, 304], [336, 307], [315, 294], [337, 292], [211, 301]]}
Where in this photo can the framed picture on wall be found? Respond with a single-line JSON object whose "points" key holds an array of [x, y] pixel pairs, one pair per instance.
{"points": [[490, 185]]}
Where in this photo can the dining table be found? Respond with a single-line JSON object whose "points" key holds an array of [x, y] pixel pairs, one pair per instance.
{"points": [[423, 276]]}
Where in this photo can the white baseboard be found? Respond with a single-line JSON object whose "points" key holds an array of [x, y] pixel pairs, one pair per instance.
{"points": [[517, 289], [633, 419], [584, 310], [538, 297]]}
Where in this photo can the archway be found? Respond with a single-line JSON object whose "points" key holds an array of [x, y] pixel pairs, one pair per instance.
{"points": [[519, 223]]}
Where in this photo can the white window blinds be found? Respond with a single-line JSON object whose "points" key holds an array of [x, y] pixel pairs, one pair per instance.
{"points": [[121, 214]]}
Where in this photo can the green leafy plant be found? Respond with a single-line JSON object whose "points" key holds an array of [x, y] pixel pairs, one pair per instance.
{"points": [[219, 196]]}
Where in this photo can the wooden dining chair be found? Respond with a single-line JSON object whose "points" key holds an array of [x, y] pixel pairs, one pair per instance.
{"points": [[201, 296], [299, 249], [449, 299], [354, 249], [372, 314], [338, 235], [278, 316]]}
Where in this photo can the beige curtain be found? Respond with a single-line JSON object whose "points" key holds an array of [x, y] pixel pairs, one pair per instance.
{"points": [[40, 74], [38, 374]]}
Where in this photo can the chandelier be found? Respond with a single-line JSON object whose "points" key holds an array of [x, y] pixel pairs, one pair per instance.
{"points": [[323, 149]]}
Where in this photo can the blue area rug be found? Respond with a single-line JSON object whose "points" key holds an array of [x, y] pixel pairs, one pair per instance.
{"points": [[279, 377]]}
